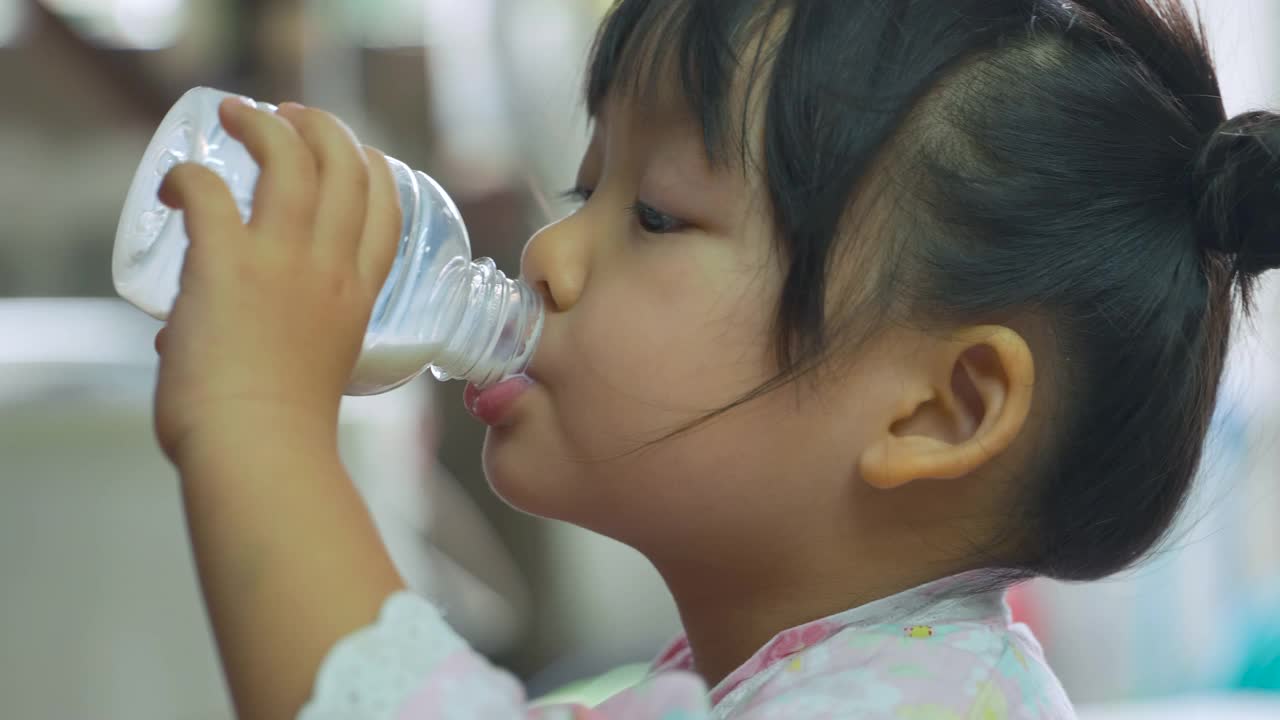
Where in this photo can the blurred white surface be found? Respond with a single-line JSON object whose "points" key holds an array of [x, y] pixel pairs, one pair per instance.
{"points": [[100, 613]]}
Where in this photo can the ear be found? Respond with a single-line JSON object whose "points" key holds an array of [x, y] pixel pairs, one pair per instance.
{"points": [[966, 398]]}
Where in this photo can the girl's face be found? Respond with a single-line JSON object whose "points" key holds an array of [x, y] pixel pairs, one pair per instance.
{"points": [[661, 293]]}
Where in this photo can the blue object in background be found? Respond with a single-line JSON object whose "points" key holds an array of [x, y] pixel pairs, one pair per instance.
{"points": [[1259, 647]]}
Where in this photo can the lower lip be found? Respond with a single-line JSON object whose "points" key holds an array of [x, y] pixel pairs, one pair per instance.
{"points": [[492, 404]]}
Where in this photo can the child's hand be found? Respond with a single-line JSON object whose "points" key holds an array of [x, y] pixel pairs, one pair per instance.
{"points": [[270, 317]]}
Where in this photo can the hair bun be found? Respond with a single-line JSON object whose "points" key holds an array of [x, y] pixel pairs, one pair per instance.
{"points": [[1237, 176]]}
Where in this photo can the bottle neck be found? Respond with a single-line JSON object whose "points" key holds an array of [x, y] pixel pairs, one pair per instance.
{"points": [[498, 329]]}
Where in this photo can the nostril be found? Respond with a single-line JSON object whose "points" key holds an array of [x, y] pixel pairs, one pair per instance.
{"points": [[543, 289]]}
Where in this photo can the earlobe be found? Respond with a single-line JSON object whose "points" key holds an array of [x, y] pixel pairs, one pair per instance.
{"points": [[977, 388], [896, 461]]}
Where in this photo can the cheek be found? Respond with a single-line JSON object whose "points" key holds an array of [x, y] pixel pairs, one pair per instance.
{"points": [[753, 470], [656, 352], [649, 348]]}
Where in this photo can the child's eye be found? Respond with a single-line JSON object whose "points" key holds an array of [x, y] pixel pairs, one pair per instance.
{"points": [[577, 194], [656, 222], [650, 219]]}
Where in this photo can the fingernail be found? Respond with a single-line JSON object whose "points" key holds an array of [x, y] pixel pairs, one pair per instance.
{"points": [[234, 104], [164, 194]]}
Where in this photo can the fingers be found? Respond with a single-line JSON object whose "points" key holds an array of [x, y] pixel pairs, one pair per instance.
{"points": [[285, 196], [381, 236], [343, 180], [317, 182], [208, 208], [160, 342]]}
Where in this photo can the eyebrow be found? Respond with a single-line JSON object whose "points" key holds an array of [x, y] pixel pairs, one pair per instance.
{"points": [[672, 112]]}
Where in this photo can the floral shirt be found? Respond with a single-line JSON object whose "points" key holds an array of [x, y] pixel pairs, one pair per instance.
{"points": [[938, 652]]}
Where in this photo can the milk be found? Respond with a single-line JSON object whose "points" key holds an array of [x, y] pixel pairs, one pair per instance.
{"points": [[385, 366]]}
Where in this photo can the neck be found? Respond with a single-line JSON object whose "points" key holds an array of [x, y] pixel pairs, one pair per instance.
{"points": [[730, 613]]}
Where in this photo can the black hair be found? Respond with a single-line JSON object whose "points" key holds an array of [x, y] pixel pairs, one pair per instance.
{"points": [[1070, 161]]}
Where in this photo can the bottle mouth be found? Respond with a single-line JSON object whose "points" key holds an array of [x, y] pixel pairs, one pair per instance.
{"points": [[498, 333], [520, 330]]}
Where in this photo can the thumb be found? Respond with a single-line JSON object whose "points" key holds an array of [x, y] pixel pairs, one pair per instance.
{"points": [[160, 341]]}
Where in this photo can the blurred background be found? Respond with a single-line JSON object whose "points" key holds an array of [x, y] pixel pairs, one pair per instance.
{"points": [[99, 611]]}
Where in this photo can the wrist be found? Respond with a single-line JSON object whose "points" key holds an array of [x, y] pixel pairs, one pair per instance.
{"points": [[245, 434]]}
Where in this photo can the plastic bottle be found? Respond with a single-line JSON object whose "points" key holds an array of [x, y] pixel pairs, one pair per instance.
{"points": [[438, 309]]}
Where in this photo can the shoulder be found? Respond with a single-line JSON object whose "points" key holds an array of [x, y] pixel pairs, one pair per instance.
{"points": [[912, 672]]}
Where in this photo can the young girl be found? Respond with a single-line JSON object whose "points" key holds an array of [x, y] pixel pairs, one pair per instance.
{"points": [[871, 308]]}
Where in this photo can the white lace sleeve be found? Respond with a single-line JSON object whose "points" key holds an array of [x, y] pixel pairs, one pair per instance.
{"points": [[377, 671]]}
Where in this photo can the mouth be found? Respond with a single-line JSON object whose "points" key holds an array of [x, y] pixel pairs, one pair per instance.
{"points": [[492, 405]]}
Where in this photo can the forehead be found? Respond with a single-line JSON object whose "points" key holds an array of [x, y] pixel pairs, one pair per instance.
{"points": [[687, 62]]}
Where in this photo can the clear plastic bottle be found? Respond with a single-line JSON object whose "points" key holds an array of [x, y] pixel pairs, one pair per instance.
{"points": [[464, 319]]}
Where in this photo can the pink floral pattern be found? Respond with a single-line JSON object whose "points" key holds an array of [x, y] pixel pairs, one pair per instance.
{"points": [[933, 653], [780, 648]]}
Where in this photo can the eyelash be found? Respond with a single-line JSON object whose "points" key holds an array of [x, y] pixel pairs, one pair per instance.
{"points": [[576, 194], [645, 214]]}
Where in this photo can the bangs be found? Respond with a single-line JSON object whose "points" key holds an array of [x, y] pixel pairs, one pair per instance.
{"points": [[697, 46]]}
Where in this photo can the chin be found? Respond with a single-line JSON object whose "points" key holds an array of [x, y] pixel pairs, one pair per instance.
{"points": [[517, 474]]}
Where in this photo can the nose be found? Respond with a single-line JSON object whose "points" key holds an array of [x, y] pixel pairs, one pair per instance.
{"points": [[556, 261]]}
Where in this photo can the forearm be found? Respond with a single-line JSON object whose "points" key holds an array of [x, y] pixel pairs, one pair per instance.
{"points": [[288, 558]]}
